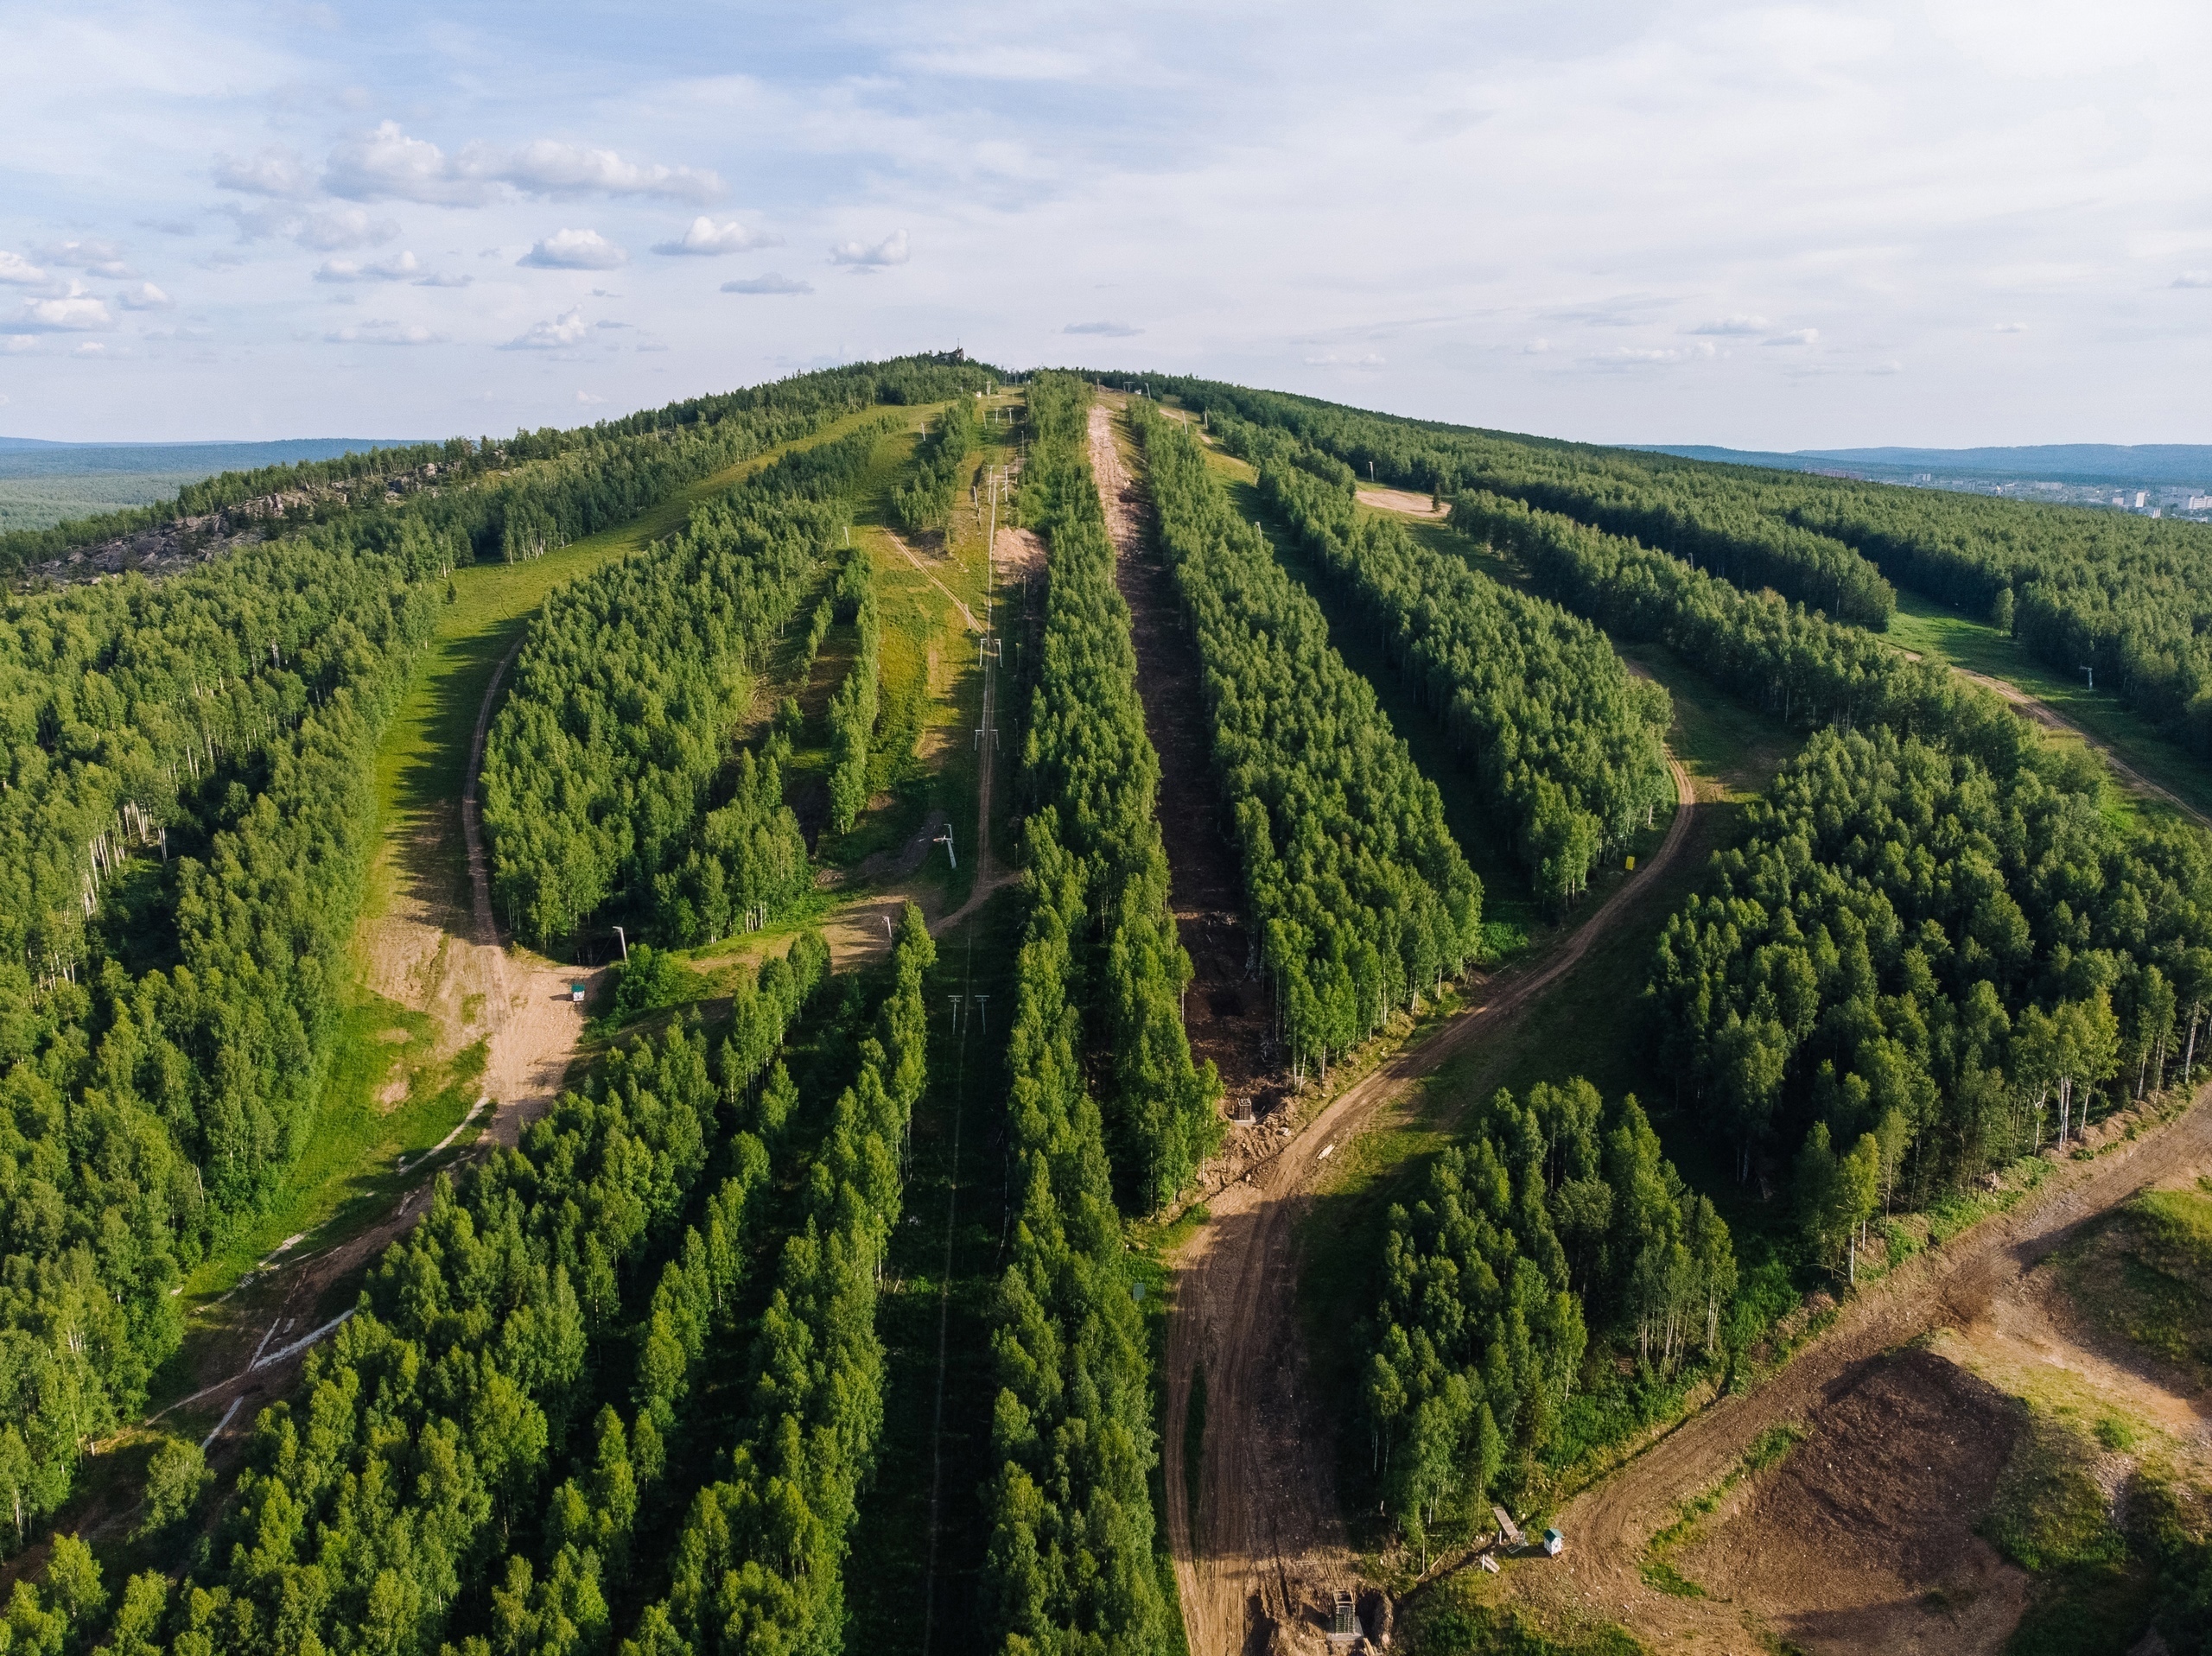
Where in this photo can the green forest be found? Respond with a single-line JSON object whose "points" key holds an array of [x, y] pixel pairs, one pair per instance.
{"points": [[631, 1375]]}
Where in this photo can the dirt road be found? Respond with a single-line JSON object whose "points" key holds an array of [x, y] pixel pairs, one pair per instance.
{"points": [[1957, 1284], [1268, 1547], [2045, 714]]}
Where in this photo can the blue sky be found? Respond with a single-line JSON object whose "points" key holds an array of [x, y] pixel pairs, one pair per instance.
{"points": [[1946, 222]]}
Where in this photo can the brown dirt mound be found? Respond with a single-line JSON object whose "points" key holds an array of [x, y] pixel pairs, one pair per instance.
{"points": [[1863, 1538]]}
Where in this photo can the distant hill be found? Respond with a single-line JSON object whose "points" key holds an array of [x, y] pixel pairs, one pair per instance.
{"points": [[2141, 463], [43, 483], [33, 457]]}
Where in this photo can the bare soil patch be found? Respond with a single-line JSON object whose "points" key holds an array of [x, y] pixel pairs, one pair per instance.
{"points": [[1961, 1285], [1400, 500], [1863, 1538], [1019, 555]]}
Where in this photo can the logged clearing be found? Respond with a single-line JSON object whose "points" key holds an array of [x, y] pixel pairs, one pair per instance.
{"points": [[1862, 1537], [1977, 1285], [1224, 1010], [1404, 501]]}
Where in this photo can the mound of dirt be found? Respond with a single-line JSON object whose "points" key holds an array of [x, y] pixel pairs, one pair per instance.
{"points": [[1862, 1539]]}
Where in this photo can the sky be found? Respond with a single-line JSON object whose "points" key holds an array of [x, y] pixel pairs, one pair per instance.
{"points": [[1942, 222]]}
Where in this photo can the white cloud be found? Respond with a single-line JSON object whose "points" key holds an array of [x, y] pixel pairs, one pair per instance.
{"points": [[546, 168], [1536, 348], [575, 250], [558, 334], [400, 267], [1796, 336], [438, 279], [891, 249], [274, 171], [100, 257], [19, 343], [1332, 360], [773, 281], [2010, 327], [89, 348], [1887, 368], [171, 226], [76, 312], [14, 268], [384, 332], [1734, 327], [2194, 279], [706, 237], [145, 296], [384, 164], [1656, 357], [1104, 330], [587, 398], [332, 229]]}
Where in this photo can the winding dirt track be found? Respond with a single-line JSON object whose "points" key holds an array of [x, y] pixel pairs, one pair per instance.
{"points": [[1270, 1546], [1609, 1523], [1268, 1550], [2043, 714]]}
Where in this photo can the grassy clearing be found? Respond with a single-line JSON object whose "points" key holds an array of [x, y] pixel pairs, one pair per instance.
{"points": [[2053, 1518], [924, 757], [390, 1097], [887, 1579], [1940, 634], [2146, 1276], [1453, 1619]]}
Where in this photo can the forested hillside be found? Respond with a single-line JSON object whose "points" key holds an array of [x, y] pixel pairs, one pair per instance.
{"points": [[1568, 749], [183, 836], [512, 496], [1090, 782], [187, 811], [2126, 595], [1363, 901], [1097, 1057], [1554, 1222], [621, 1388], [607, 775]]}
